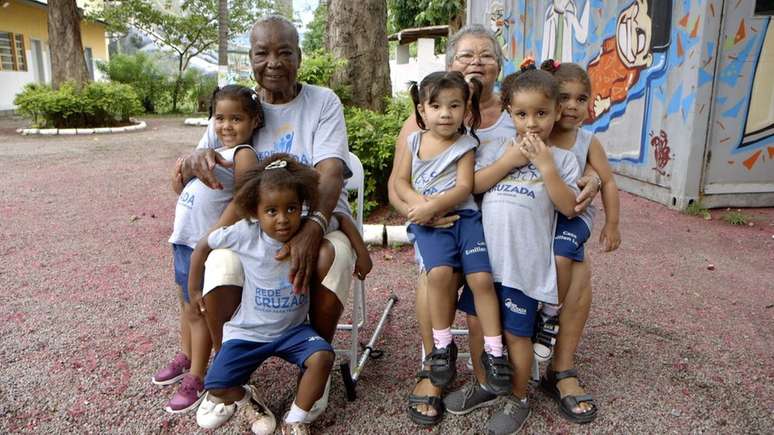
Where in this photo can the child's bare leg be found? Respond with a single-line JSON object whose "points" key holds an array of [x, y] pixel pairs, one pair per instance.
{"points": [[318, 367], [563, 275], [572, 320], [185, 329], [325, 308], [441, 293], [487, 304], [221, 302], [227, 396], [201, 344], [520, 354], [476, 345]]}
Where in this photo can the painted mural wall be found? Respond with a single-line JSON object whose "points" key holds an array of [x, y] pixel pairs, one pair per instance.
{"points": [[683, 90]]}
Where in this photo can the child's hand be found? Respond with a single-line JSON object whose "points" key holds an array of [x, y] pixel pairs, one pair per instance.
{"points": [[513, 153], [363, 265], [537, 152], [610, 237], [422, 214], [197, 302], [177, 174]]}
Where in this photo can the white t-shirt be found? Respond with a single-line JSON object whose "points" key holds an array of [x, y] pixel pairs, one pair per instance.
{"points": [[199, 207], [310, 127], [519, 223], [269, 307]]}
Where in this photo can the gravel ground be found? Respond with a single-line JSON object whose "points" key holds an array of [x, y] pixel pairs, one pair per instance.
{"points": [[88, 312]]}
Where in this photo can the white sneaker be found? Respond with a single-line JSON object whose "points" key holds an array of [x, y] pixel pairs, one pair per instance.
{"points": [[320, 405], [211, 415], [262, 421]]}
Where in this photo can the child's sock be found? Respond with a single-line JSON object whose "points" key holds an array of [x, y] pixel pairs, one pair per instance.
{"points": [[550, 310], [296, 414], [442, 337], [494, 345]]}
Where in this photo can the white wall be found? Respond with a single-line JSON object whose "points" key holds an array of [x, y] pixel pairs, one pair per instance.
{"points": [[417, 67]]}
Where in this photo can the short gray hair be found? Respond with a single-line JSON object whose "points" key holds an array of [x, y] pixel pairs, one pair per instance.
{"points": [[478, 31], [275, 19]]}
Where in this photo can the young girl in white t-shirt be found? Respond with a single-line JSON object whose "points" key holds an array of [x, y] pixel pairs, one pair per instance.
{"points": [[237, 114], [271, 319]]}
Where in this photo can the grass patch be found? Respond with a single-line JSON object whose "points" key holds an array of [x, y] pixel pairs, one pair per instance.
{"points": [[696, 208], [736, 217]]}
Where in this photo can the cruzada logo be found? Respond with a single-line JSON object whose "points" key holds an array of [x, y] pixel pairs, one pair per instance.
{"points": [[515, 308]]}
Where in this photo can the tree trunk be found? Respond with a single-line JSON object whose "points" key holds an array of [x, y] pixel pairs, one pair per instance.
{"points": [[222, 42], [64, 39], [458, 21], [356, 31]]}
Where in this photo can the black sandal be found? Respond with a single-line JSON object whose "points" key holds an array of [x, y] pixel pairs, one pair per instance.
{"points": [[433, 401], [443, 365], [568, 403]]}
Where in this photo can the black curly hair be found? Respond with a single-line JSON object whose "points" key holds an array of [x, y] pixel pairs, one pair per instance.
{"points": [[290, 175], [529, 78]]}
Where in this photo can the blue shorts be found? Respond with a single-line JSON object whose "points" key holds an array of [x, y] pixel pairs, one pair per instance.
{"points": [[517, 310], [238, 359], [461, 247], [181, 260], [570, 238]]}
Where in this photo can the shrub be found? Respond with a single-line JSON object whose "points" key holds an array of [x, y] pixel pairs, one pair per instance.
{"points": [[736, 217], [319, 68], [372, 138], [95, 105], [200, 87], [144, 74]]}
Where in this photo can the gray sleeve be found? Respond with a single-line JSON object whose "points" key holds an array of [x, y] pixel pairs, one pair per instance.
{"points": [[229, 236], [570, 171], [488, 154], [330, 135]]}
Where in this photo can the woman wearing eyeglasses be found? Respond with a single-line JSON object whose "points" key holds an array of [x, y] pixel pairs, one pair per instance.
{"points": [[475, 53]]}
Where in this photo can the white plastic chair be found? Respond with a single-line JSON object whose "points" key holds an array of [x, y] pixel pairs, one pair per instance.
{"points": [[350, 370]]}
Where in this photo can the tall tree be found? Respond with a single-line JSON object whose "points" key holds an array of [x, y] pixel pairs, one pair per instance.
{"points": [[222, 42], [418, 13], [356, 31], [64, 40], [187, 32]]}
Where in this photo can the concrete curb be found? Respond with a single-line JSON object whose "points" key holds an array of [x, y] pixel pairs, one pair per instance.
{"points": [[81, 131], [197, 122], [385, 235]]}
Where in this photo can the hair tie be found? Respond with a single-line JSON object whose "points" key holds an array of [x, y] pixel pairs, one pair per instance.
{"points": [[277, 164], [527, 63]]}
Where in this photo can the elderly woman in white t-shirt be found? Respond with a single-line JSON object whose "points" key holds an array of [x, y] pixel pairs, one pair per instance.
{"points": [[308, 122], [474, 51]]}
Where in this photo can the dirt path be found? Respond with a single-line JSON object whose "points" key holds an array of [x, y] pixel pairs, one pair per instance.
{"points": [[88, 312]]}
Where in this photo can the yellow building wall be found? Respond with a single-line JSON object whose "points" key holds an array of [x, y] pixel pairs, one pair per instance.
{"points": [[32, 22]]}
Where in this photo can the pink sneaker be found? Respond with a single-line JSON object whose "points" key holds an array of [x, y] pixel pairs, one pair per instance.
{"points": [[188, 395], [174, 371]]}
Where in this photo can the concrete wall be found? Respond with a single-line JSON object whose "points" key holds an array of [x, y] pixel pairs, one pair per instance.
{"points": [[682, 90], [31, 21], [405, 69]]}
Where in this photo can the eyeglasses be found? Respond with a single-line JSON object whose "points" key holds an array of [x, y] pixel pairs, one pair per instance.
{"points": [[483, 58]]}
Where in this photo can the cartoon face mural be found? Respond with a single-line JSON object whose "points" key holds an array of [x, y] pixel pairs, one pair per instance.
{"points": [[633, 34], [617, 68]]}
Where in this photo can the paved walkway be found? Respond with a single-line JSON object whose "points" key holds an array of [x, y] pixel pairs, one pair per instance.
{"points": [[88, 310]]}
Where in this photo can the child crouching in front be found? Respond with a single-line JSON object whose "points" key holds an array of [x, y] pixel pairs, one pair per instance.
{"points": [[271, 320]]}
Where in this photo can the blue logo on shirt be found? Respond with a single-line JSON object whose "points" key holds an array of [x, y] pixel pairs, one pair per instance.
{"points": [[186, 200], [279, 299], [284, 143]]}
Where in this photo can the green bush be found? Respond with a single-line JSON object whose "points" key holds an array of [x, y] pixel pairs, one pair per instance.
{"points": [[372, 138], [97, 104], [199, 87], [144, 74], [319, 68]]}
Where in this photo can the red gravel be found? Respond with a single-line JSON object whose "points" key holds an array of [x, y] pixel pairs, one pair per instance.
{"points": [[89, 313]]}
